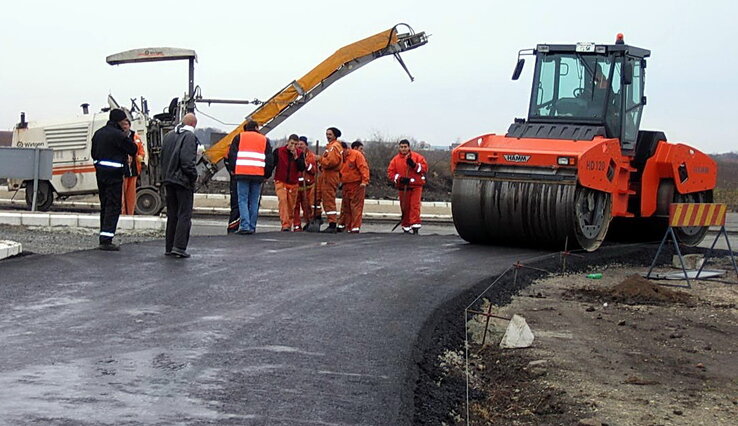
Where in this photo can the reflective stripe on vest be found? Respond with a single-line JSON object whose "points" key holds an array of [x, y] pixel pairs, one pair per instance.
{"points": [[251, 157]]}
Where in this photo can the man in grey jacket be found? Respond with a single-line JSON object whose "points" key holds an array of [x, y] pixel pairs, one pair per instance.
{"points": [[178, 156]]}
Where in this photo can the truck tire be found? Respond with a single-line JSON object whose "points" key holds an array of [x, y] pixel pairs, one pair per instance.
{"points": [[44, 195], [149, 201]]}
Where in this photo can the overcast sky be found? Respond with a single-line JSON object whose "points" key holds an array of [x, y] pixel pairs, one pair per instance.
{"points": [[54, 53]]}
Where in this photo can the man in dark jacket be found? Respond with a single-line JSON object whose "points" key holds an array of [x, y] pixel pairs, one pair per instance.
{"points": [[250, 161], [110, 151], [178, 156]]}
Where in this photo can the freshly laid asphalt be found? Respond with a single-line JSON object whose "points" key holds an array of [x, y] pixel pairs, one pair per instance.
{"points": [[272, 328]]}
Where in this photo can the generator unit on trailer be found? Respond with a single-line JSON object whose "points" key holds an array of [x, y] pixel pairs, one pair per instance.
{"points": [[579, 161]]}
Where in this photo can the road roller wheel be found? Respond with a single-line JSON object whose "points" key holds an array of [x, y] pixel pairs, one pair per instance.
{"points": [[592, 215], [521, 213], [692, 235], [466, 210]]}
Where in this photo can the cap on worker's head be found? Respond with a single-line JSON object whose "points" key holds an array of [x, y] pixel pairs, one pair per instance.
{"points": [[304, 139], [336, 132], [117, 115]]}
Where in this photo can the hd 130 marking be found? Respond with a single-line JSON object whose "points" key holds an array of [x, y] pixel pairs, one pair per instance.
{"points": [[598, 165]]}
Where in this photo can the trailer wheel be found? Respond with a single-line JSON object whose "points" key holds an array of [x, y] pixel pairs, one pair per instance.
{"points": [[44, 195], [148, 201]]}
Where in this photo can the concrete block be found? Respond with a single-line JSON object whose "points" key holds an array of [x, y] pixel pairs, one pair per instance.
{"points": [[84, 221], [10, 218], [691, 261], [9, 248], [35, 219], [126, 222], [69, 220], [153, 223], [517, 335]]}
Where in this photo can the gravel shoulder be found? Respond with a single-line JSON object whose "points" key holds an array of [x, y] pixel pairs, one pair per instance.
{"points": [[601, 355], [57, 240]]}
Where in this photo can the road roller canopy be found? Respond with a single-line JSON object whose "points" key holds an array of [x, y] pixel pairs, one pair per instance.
{"points": [[589, 84]]}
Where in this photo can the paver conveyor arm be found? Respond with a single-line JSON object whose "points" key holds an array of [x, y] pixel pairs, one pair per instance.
{"points": [[296, 94]]}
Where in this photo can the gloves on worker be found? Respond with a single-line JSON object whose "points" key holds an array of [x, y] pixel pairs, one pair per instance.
{"points": [[410, 162], [404, 181]]}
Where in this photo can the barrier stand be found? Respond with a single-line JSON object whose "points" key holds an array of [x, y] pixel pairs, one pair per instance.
{"points": [[688, 215], [712, 247]]}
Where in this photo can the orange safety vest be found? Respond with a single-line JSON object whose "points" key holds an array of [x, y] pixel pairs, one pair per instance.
{"points": [[251, 158]]}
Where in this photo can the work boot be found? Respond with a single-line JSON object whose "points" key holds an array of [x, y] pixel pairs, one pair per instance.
{"points": [[180, 253], [339, 228], [331, 229], [108, 246], [415, 231]]}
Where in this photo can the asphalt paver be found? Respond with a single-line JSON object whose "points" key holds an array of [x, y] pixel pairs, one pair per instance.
{"points": [[270, 328]]}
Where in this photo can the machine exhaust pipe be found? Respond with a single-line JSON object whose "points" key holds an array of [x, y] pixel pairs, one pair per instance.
{"points": [[23, 123], [85, 108]]}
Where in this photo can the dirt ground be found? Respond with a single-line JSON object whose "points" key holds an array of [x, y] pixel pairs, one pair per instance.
{"points": [[619, 350]]}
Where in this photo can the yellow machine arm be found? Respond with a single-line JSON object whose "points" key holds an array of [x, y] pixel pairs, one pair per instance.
{"points": [[296, 94]]}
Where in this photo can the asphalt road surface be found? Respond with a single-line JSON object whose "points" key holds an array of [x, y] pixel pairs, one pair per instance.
{"points": [[273, 328]]}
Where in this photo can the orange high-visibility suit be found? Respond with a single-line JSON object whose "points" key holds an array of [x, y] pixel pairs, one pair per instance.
{"points": [[355, 178], [128, 204], [408, 174], [330, 167], [306, 191]]}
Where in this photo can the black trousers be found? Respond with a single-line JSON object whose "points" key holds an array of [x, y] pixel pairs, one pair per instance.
{"points": [[179, 216], [235, 218], [111, 192]]}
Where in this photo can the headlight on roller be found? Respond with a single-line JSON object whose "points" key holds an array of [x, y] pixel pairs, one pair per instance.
{"points": [[470, 156]]}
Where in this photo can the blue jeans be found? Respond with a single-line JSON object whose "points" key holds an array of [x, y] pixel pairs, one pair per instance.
{"points": [[248, 203]]}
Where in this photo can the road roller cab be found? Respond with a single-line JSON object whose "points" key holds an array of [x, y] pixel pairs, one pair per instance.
{"points": [[579, 159]]}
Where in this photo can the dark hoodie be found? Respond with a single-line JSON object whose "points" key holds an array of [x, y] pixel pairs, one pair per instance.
{"points": [[178, 156]]}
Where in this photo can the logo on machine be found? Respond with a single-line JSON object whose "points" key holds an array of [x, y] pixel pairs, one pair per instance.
{"points": [[517, 158], [22, 144]]}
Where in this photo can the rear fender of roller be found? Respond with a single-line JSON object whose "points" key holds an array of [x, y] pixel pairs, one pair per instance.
{"points": [[690, 169]]}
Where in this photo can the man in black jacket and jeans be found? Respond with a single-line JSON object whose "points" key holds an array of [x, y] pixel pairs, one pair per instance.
{"points": [[178, 156], [110, 150]]}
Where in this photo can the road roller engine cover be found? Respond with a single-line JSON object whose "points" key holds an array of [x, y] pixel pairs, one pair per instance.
{"points": [[579, 164]]}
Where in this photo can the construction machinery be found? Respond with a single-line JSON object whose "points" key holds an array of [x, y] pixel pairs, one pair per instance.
{"points": [[74, 174], [579, 162]]}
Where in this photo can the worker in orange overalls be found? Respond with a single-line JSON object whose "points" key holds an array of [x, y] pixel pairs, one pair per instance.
{"points": [[131, 172], [407, 171], [330, 166], [289, 163], [355, 178], [306, 187]]}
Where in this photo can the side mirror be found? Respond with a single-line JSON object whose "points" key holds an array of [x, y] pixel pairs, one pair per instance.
{"points": [[628, 73], [518, 69]]}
